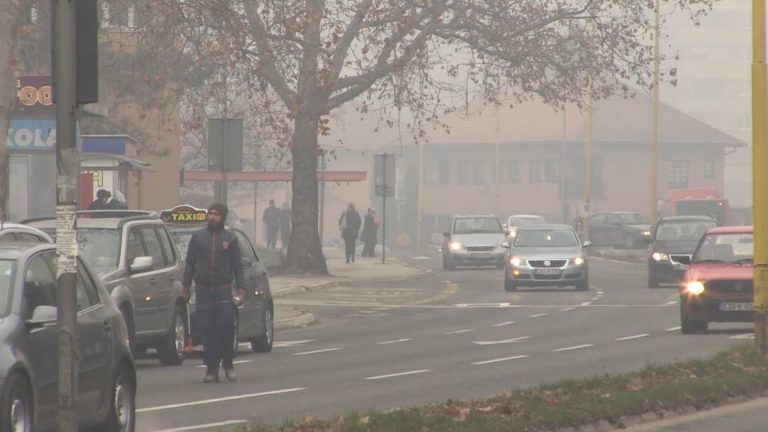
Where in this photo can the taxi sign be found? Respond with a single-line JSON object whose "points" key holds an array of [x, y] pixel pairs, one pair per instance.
{"points": [[184, 214]]}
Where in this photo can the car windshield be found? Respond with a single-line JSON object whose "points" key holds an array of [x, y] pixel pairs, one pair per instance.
{"points": [[518, 221], [546, 238], [728, 248], [6, 279], [477, 225], [682, 230], [182, 238], [632, 218], [100, 247]]}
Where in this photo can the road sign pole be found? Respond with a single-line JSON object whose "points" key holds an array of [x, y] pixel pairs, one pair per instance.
{"points": [[385, 187]]}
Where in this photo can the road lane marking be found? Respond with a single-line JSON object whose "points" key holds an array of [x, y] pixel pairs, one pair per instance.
{"points": [[234, 363], [572, 348], [671, 303], [460, 305], [458, 332], [505, 323], [539, 315], [633, 337], [585, 304], [674, 329], [422, 258], [566, 309], [743, 336], [394, 341], [500, 360], [204, 426], [503, 341], [316, 351], [394, 375], [223, 399]]}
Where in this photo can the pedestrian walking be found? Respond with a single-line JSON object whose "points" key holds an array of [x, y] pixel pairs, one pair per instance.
{"points": [[271, 219], [101, 201], [370, 233], [213, 262], [349, 224], [285, 225]]}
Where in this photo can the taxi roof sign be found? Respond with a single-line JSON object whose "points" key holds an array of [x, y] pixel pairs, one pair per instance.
{"points": [[184, 214]]}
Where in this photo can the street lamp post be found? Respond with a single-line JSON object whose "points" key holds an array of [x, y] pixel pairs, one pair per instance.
{"points": [[655, 120]]}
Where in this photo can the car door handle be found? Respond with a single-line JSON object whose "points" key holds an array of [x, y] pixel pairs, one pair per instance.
{"points": [[107, 327]]}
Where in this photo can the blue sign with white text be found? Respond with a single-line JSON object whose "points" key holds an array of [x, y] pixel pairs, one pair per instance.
{"points": [[31, 135]]}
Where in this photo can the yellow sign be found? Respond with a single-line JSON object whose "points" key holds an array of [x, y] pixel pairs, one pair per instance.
{"points": [[184, 213]]}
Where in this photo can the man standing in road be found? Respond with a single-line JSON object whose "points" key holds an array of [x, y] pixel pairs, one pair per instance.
{"points": [[271, 218], [213, 262]]}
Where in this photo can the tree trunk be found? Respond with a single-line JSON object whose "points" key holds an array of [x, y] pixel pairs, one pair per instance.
{"points": [[10, 23], [305, 253]]}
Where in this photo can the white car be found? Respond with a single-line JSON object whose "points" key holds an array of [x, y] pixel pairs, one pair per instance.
{"points": [[474, 241], [19, 232], [515, 221]]}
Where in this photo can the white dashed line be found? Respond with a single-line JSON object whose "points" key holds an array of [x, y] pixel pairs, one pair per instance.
{"points": [[743, 336], [577, 347], [503, 359], [458, 331], [633, 337], [585, 304], [671, 303], [566, 309], [422, 258], [204, 426], [673, 329], [394, 375], [316, 351], [539, 315], [393, 341], [505, 323], [234, 363], [504, 341], [224, 399]]}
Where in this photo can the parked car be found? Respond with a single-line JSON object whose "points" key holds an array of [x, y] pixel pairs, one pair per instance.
{"points": [[140, 266], [11, 232], [474, 241], [620, 229], [29, 359], [515, 221], [672, 245], [255, 313], [718, 285], [546, 255]]}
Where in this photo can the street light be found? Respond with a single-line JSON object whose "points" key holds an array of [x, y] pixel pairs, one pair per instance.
{"points": [[655, 117]]}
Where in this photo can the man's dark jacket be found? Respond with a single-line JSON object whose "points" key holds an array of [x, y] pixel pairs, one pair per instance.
{"points": [[213, 259]]}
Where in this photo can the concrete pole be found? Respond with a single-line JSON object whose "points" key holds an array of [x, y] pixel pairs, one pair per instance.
{"points": [[759, 175], [419, 197], [655, 119], [64, 92]]}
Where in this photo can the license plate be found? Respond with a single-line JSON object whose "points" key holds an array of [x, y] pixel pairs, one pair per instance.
{"points": [[736, 307], [548, 271]]}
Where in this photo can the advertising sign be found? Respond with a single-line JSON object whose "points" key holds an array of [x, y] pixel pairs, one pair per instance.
{"points": [[34, 94], [31, 135]]}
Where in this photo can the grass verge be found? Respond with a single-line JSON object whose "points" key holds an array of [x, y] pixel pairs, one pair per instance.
{"points": [[696, 383]]}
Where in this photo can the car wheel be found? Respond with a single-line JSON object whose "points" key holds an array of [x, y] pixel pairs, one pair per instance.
{"points": [[689, 326], [629, 242], [583, 285], [171, 350], [263, 343], [127, 314], [122, 406], [449, 264], [653, 281], [17, 405], [509, 286]]}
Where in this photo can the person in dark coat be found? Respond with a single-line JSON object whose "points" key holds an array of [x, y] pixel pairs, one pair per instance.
{"points": [[349, 224], [369, 234], [213, 263], [271, 219], [285, 226], [117, 202], [101, 201]]}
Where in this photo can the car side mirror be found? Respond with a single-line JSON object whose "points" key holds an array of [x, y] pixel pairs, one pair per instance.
{"points": [[141, 264], [43, 316], [586, 244]]}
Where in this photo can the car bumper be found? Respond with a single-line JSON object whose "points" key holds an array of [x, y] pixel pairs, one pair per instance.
{"points": [[667, 271], [477, 258], [732, 308], [569, 274]]}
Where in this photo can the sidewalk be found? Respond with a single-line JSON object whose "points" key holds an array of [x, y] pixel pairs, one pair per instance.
{"points": [[364, 270]]}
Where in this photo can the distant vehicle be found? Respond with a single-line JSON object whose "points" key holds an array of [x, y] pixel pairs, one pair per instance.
{"points": [[140, 266], [255, 313], [672, 244], [546, 255], [29, 359], [620, 229], [718, 285], [474, 241], [11, 232], [515, 221], [696, 202]]}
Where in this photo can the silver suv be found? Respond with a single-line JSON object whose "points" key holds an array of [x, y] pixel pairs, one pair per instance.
{"points": [[140, 267]]}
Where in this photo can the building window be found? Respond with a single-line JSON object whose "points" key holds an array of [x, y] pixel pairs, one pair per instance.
{"points": [[437, 172], [709, 169], [678, 174], [479, 172], [745, 122], [552, 171], [462, 172], [534, 173], [124, 13], [510, 171]]}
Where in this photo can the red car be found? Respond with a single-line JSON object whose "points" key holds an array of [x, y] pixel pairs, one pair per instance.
{"points": [[718, 283]]}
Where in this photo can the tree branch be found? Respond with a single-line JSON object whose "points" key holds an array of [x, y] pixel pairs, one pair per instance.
{"points": [[353, 29]]}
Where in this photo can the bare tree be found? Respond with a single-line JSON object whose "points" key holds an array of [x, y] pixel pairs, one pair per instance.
{"points": [[309, 57]]}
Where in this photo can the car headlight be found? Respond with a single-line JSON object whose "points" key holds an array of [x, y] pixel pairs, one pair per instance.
{"points": [[646, 233], [516, 261], [512, 234], [578, 261], [456, 246], [660, 256], [695, 288]]}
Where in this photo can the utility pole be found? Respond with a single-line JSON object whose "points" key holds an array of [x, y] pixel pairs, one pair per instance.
{"points": [[419, 198], [497, 165], [759, 175], [65, 98], [384, 211], [655, 120], [588, 163]]}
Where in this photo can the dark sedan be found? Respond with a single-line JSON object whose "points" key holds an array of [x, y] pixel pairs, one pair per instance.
{"points": [[619, 229], [672, 245], [29, 336]]}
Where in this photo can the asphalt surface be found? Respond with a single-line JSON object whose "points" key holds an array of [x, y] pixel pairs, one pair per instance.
{"points": [[454, 335]]}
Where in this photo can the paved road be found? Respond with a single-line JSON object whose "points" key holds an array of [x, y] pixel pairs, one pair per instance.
{"points": [[452, 335]]}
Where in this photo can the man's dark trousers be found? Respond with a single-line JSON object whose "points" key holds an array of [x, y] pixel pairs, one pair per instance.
{"points": [[272, 237], [216, 320]]}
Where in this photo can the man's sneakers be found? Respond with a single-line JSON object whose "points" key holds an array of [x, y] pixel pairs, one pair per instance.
{"points": [[211, 378], [214, 377], [230, 374]]}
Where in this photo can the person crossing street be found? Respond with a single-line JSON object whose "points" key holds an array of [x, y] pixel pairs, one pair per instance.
{"points": [[213, 263]]}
